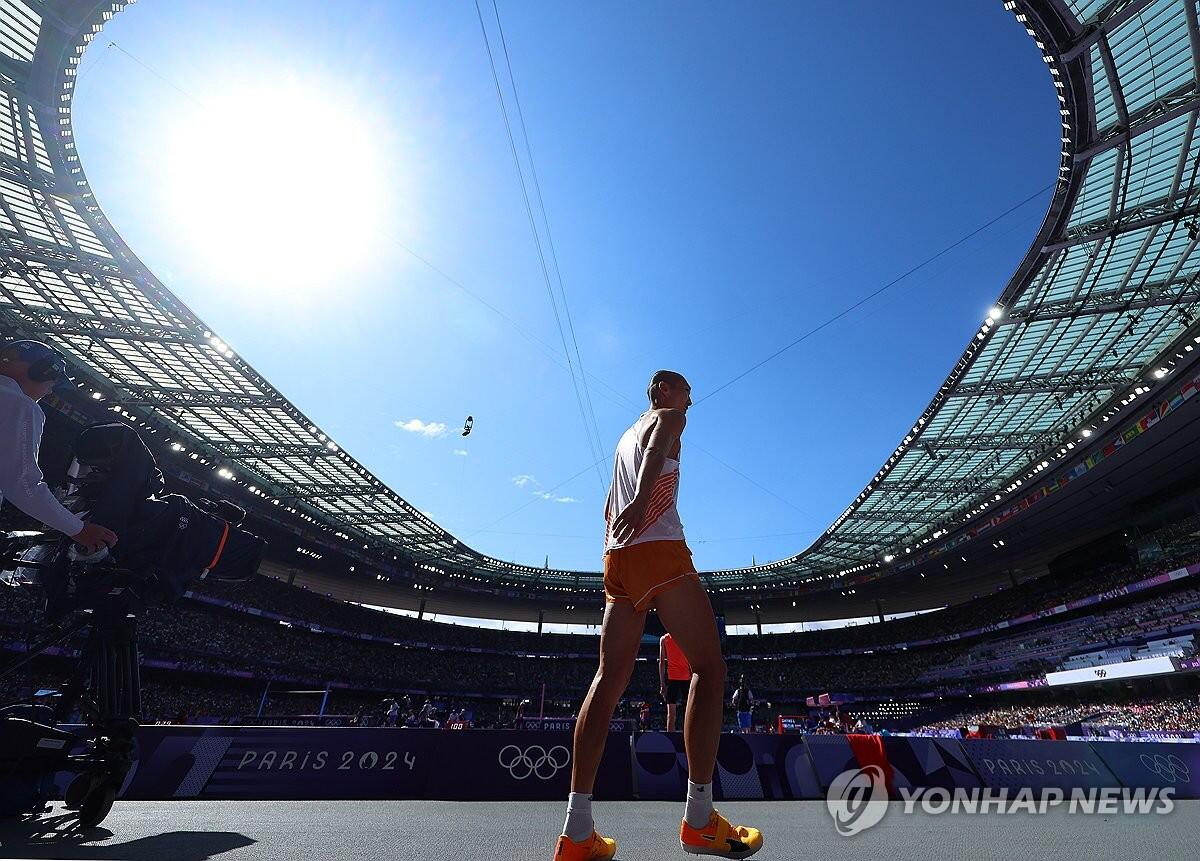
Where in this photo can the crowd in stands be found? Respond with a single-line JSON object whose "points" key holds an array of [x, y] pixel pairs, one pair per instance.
{"points": [[1030, 596], [300, 603], [200, 639], [428, 658], [1176, 714], [1180, 714], [1032, 651]]}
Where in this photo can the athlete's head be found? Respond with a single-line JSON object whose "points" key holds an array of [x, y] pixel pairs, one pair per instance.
{"points": [[669, 390], [35, 366]]}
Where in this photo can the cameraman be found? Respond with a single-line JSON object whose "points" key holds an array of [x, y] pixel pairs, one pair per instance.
{"points": [[28, 371]]}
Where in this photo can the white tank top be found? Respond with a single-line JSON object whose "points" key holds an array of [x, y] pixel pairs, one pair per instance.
{"points": [[661, 522]]}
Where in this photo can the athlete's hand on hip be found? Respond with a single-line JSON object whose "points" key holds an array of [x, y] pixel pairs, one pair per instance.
{"points": [[629, 520], [93, 536]]}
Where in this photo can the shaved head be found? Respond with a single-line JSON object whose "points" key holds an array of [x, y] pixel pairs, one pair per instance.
{"points": [[671, 378]]}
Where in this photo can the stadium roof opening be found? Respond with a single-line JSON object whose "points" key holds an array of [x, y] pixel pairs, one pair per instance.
{"points": [[1103, 305]]}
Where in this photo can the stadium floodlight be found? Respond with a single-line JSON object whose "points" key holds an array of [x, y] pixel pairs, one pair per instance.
{"points": [[995, 313]]}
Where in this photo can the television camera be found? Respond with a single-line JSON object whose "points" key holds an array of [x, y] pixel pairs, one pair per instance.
{"points": [[165, 542]]}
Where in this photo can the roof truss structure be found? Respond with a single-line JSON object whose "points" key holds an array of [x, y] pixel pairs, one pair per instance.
{"points": [[1108, 288]]}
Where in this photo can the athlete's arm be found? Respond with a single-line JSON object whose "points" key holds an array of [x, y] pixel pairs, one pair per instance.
{"points": [[668, 427]]}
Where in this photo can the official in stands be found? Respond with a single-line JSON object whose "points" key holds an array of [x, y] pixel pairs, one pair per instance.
{"points": [[29, 370], [674, 677], [743, 704], [427, 717]]}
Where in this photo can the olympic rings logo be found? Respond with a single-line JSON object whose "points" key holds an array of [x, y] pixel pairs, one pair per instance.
{"points": [[535, 760], [1169, 767]]}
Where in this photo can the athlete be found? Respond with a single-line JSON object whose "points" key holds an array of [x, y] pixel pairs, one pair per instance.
{"points": [[647, 564], [674, 676]]}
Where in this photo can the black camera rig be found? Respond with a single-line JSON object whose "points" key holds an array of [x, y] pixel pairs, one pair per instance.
{"points": [[101, 602], [165, 542]]}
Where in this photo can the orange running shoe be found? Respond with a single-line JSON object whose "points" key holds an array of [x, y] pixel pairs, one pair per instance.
{"points": [[720, 838], [595, 848]]}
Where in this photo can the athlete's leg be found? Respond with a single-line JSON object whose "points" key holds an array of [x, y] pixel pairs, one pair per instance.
{"points": [[620, 636], [688, 617], [671, 710]]}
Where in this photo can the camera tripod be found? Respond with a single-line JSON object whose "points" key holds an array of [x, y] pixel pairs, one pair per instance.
{"points": [[102, 602]]}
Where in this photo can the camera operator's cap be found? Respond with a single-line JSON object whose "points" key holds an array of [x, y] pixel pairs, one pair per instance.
{"points": [[45, 362]]}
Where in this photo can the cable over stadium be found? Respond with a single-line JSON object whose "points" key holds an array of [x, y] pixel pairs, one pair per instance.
{"points": [[1024, 557]]}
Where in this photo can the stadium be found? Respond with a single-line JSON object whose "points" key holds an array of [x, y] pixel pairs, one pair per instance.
{"points": [[1024, 564]]}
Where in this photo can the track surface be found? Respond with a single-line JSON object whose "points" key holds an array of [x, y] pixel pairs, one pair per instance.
{"points": [[454, 831]]}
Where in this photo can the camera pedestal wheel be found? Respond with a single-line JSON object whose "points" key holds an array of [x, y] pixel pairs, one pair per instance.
{"points": [[96, 803], [77, 790]]}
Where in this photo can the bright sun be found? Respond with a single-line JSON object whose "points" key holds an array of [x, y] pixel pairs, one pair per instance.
{"points": [[278, 186]]}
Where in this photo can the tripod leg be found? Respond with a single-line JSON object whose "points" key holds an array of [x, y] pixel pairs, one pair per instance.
{"points": [[112, 694], [128, 675], [75, 690], [135, 682], [101, 678]]}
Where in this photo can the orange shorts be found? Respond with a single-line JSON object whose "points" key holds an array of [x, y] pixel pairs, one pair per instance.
{"points": [[640, 572]]}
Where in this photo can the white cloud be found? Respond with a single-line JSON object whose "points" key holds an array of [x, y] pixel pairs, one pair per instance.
{"points": [[426, 429], [529, 480], [460, 452], [550, 497]]}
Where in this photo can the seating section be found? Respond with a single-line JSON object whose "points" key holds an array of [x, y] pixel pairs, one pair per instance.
{"points": [[220, 643], [1175, 714]]}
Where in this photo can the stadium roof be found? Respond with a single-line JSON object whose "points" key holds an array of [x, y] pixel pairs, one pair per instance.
{"points": [[1102, 303]]}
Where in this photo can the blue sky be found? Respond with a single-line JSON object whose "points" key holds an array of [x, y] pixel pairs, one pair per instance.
{"points": [[717, 179]]}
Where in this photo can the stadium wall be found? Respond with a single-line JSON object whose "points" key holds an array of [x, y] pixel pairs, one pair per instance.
{"points": [[307, 763]]}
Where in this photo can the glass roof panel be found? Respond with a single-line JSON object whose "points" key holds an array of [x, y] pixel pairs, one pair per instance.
{"points": [[1109, 292]]}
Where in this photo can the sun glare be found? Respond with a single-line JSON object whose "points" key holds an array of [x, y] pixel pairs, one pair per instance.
{"points": [[278, 187]]}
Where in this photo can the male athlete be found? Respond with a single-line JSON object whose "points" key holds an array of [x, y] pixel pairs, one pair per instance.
{"points": [[648, 564]]}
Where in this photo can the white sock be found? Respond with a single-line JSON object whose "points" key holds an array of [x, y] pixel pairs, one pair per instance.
{"points": [[578, 826], [699, 804]]}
